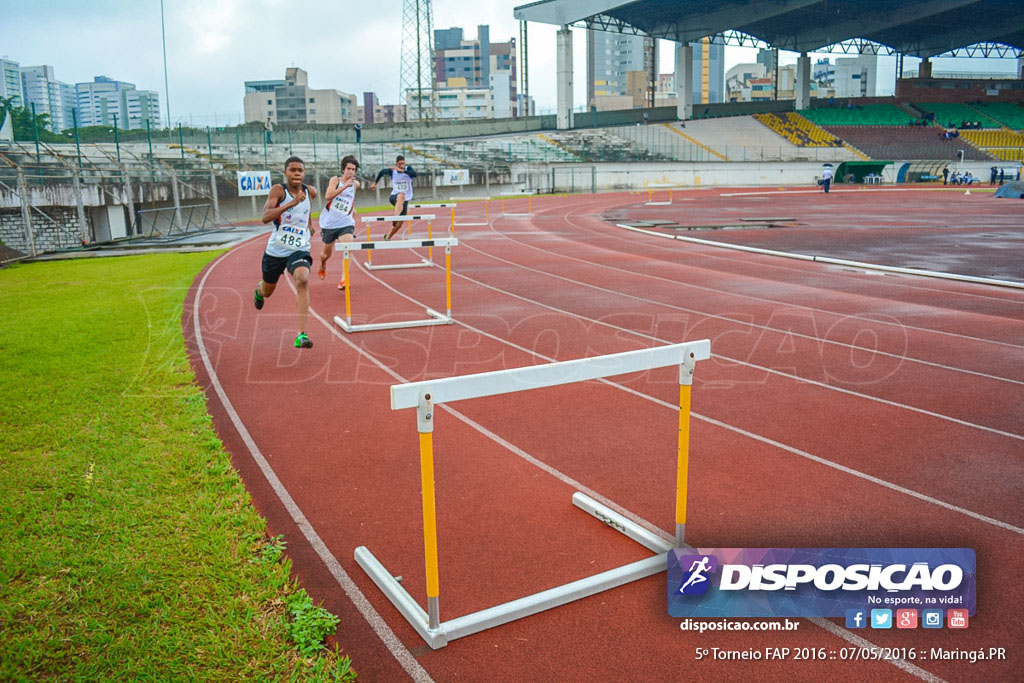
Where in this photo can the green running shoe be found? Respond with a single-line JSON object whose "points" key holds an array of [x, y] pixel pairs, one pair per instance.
{"points": [[303, 342], [257, 299]]}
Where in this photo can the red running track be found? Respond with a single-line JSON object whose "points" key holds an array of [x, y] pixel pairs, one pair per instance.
{"points": [[839, 409]]}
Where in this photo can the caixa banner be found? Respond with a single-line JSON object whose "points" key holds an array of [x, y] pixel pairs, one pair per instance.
{"points": [[817, 582]]}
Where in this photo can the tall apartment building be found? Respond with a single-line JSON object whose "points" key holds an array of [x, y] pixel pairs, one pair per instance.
{"points": [[10, 82], [293, 101], [50, 96], [100, 100], [848, 76], [372, 111], [461, 63], [610, 56], [458, 103]]}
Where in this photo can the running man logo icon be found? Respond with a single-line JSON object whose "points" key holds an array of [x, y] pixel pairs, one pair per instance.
{"points": [[695, 580]]}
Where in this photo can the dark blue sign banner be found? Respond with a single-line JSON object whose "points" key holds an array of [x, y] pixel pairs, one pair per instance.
{"points": [[818, 582]]}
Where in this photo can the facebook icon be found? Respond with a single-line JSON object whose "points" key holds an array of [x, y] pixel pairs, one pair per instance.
{"points": [[856, 618]]}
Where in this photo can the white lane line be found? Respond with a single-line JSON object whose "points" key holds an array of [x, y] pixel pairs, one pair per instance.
{"points": [[710, 255], [776, 302], [920, 272], [732, 320], [373, 618], [822, 623], [760, 368], [738, 430]]}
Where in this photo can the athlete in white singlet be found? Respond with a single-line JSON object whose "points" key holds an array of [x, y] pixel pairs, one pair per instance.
{"points": [[288, 247], [401, 189], [336, 222]]}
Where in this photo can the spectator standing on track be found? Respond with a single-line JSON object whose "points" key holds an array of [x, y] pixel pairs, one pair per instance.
{"points": [[1002, 176], [401, 189], [945, 175], [992, 175], [826, 178], [288, 208], [336, 222]]}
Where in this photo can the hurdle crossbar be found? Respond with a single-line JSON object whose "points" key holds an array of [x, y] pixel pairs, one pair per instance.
{"points": [[658, 186], [427, 394], [515, 195], [441, 205], [422, 263], [433, 317], [467, 224]]}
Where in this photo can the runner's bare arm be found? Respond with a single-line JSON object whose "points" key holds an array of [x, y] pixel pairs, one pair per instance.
{"points": [[312, 192], [271, 210], [333, 189]]}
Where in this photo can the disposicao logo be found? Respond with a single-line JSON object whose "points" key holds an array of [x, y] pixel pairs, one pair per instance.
{"points": [[696, 580], [818, 582]]}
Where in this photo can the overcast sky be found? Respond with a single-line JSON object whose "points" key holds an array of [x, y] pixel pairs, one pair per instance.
{"points": [[215, 45]]}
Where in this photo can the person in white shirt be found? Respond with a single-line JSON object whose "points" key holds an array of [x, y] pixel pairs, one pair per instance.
{"points": [[336, 222], [826, 178], [401, 189], [288, 247]]}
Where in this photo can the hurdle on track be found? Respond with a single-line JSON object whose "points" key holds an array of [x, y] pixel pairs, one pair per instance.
{"points": [[426, 395], [434, 318], [444, 205], [658, 186], [487, 212], [514, 195], [422, 263]]}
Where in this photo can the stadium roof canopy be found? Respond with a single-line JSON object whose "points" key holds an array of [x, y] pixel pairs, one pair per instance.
{"points": [[919, 28]]}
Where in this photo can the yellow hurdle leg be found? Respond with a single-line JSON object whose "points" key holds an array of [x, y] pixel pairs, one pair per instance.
{"points": [[429, 524], [683, 459], [430, 250], [487, 210], [369, 253], [448, 278], [451, 230], [348, 295]]}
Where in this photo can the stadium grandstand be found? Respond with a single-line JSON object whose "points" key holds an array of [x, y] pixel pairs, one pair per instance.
{"points": [[170, 183]]}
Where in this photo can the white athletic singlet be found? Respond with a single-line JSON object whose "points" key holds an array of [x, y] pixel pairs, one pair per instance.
{"points": [[401, 182], [339, 210], [291, 233]]}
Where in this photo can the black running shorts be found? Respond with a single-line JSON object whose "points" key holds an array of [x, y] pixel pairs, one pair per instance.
{"points": [[273, 266], [329, 235], [405, 206]]}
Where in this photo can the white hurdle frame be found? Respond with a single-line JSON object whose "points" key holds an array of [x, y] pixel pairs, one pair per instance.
{"points": [[434, 318], [426, 395], [487, 213], [422, 263], [442, 205], [659, 186], [529, 194]]}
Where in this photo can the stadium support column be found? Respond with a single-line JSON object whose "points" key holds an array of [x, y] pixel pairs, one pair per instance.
{"points": [[684, 88], [803, 81], [564, 80]]}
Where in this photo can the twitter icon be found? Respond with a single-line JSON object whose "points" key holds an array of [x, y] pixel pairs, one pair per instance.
{"points": [[881, 618]]}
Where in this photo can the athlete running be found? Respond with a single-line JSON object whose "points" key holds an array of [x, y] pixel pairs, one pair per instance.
{"points": [[336, 222], [288, 247], [401, 189]]}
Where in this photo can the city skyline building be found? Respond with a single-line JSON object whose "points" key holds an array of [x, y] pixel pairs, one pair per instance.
{"points": [[104, 98], [293, 101], [50, 96]]}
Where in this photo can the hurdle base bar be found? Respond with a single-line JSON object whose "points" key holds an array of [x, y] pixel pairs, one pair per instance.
{"points": [[434, 319], [422, 263], [504, 613]]}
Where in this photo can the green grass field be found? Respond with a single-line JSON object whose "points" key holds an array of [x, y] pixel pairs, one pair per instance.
{"points": [[131, 548]]}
